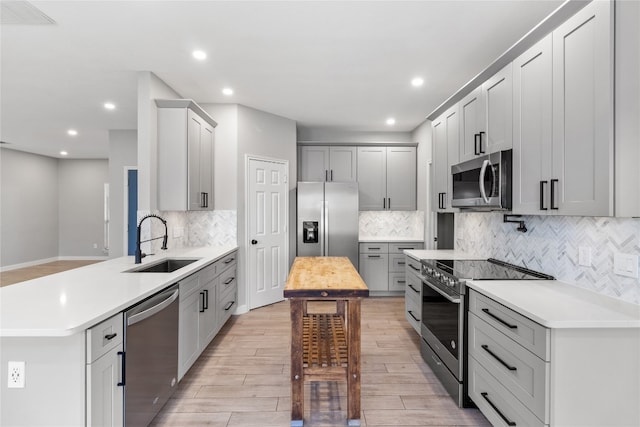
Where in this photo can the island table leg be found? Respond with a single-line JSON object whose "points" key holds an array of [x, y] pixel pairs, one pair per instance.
{"points": [[297, 380], [353, 363]]}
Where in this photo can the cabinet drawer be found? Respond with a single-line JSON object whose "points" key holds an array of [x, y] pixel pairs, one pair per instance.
{"points": [[189, 285], [104, 337], [413, 290], [412, 266], [227, 301], [208, 273], [495, 401], [413, 310], [397, 263], [373, 248], [226, 262], [525, 375], [227, 280], [531, 335], [397, 248], [397, 282]]}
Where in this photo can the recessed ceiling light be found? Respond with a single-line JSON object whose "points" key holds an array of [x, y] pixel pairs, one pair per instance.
{"points": [[109, 106], [63, 153], [391, 121], [227, 91], [200, 54], [72, 132], [417, 81]]}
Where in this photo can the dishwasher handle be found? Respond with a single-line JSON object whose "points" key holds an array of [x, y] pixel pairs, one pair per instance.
{"points": [[153, 309]]}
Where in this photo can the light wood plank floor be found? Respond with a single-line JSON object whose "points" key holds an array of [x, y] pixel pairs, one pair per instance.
{"points": [[27, 273], [242, 378]]}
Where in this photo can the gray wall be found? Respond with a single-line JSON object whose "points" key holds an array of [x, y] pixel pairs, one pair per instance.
{"points": [[81, 207], [28, 207], [123, 153]]}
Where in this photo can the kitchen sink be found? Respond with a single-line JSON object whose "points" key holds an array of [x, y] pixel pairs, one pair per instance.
{"points": [[166, 265]]}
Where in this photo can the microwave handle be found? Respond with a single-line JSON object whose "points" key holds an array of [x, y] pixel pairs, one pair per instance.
{"points": [[483, 171]]}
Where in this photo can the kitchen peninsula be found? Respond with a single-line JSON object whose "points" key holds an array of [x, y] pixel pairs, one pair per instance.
{"points": [[50, 324]]}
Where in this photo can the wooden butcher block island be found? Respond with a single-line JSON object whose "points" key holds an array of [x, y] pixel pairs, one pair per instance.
{"points": [[325, 346]]}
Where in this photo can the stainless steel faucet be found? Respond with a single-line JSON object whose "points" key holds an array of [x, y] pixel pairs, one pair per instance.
{"points": [[139, 254]]}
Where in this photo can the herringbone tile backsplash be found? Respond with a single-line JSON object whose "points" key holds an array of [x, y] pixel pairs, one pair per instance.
{"points": [[551, 245], [405, 224]]}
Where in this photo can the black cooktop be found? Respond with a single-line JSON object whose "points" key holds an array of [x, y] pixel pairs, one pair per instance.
{"points": [[490, 269]]}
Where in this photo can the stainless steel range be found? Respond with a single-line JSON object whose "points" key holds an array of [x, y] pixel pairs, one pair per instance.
{"points": [[444, 314]]}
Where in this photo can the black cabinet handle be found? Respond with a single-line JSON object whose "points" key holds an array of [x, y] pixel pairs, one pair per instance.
{"points": [[230, 260], [401, 263], [389, 204], [553, 194], [414, 317], [373, 256], [206, 299], [202, 301], [414, 289], [331, 174], [384, 203], [542, 184], [481, 150], [508, 325], [121, 383], [402, 281], [326, 175], [495, 408], [476, 150], [502, 362], [229, 280], [414, 268], [229, 305], [109, 337], [377, 248]]}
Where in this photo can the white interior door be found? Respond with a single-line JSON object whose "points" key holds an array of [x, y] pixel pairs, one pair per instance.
{"points": [[267, 231]]}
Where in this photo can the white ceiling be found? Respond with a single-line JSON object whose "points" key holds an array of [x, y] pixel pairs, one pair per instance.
{"points": [[345, 65]]}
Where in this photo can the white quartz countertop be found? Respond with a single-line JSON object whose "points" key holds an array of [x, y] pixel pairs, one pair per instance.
{"points": [[439, 254], [69, 302], [555, 304], [382, 239]]}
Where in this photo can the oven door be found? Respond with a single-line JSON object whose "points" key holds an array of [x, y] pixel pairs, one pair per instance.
{"points": [[442, 323], [483, 183]]}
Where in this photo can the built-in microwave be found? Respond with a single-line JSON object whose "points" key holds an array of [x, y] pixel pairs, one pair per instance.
{"points": [[483, 183]]}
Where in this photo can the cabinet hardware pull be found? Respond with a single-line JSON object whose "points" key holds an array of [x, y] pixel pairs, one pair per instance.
{"points": [[377, 248], [121, 383], [542, 184], [414, 268], [326, 175], [414, 289], [509, 367], [481, 150], [202, 301], [373, 256], [508, 325], [402, 281], [206, 299], [229, 280], [406, 249], [389, 204], [109, 337], [331, 174], [229, 305], [230, 260], [476, 150], [384, 203], [495, 408], [414, 317], [401, 263], [553, 194]]}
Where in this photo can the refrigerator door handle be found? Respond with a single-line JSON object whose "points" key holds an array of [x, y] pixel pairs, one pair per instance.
{"points": [[325, 208]]}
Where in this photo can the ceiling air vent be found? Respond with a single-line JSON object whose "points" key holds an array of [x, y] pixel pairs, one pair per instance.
{"points": [[14, 12]]}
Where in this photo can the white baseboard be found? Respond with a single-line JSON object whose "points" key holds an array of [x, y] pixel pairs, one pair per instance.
{"points": [[46, 260], [242, 309]]}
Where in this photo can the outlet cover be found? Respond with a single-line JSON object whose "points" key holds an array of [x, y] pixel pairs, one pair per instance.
{"points": [[625, 265], [584, 256], [15, 378]]}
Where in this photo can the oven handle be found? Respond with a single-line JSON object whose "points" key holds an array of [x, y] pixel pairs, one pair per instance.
{"points": [[483, 171], [443, 293]]}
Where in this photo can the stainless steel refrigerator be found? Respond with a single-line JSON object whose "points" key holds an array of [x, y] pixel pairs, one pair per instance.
{"points": [[328, 219]]}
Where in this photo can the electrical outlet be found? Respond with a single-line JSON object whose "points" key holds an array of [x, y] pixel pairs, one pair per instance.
{"points": [[584, 256], [16, 375], [625, 265], [95, 246]]}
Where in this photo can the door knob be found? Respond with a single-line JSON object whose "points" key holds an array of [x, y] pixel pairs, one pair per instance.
{"points": [[254, 242]]}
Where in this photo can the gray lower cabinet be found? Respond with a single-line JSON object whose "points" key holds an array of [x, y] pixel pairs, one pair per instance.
{"points": [[413, 293], [382, 266], [202, 312], [105, 391]]}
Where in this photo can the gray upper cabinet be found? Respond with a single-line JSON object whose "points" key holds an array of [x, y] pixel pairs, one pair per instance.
{"points": [[446, 136], [486, 117], [532, 128], [582, 182], [327, 163], [185, 156], [387, 178]]}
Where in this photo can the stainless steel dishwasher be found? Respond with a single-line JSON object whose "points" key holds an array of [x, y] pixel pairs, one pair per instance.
{"points": [[151, 356]]}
